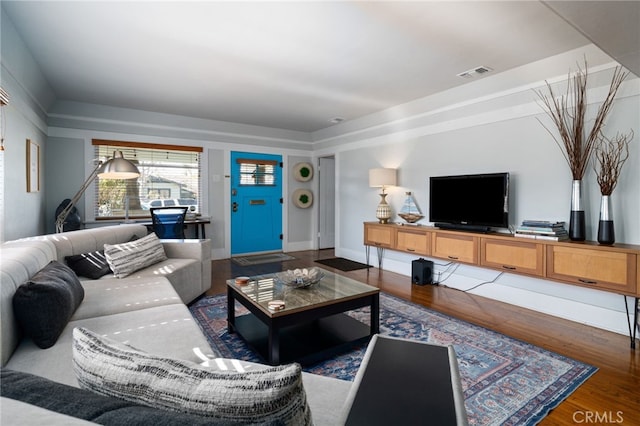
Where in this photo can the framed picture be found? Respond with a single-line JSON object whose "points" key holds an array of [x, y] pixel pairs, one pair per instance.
{"points": [[33, 166]]}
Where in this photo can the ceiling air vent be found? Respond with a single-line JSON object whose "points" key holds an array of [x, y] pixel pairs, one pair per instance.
{"points": [[475, 71]]}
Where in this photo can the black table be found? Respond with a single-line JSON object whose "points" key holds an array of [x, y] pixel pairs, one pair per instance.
{"points": [[311, 327]]}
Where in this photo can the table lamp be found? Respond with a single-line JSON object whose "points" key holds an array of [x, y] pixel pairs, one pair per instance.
{"points": [[382, 178]]}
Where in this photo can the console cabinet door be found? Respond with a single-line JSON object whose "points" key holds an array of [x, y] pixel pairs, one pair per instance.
{"points": [[413, 241], [459, 248], [379, 235], [599, 268], [515, 256]]}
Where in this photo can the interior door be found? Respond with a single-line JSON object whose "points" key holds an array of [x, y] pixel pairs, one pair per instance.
{"points": [[327, 203], [256, 203]]}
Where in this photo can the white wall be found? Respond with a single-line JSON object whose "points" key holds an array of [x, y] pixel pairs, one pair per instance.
{"points": [[300, 227], [495, 134], [24, 118]]}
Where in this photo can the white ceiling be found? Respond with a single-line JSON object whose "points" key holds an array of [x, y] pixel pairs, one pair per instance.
{"points": [[292, 65]]}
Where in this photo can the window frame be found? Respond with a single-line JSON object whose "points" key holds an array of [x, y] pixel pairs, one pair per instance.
{"points": [[114, 145]]}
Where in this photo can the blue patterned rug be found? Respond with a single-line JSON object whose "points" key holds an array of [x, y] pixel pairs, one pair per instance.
{"points": [[505, 381]]}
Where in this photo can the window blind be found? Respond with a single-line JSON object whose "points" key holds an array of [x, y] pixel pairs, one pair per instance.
{"points": [[169, 175]]}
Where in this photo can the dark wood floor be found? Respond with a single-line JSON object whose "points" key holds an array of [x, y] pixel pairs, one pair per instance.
{"points": [[610, 396]]}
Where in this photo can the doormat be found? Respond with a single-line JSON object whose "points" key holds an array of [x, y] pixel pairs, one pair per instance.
{"points": [[261, 258], [343, 264], [505, 381]]}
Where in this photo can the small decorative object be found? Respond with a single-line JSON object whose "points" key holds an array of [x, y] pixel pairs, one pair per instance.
{"points": [[610, 155], [303, 172], [242, 280], [302, 198], [276, 305], [410, 211], [300, 278], [381, 178], [568, 113]]}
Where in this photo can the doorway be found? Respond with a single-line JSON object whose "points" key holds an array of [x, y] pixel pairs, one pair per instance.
{"points": [[256, 203], [327, 202]]}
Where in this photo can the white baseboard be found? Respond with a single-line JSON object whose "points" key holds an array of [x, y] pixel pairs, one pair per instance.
{"points": [[586, 306]]}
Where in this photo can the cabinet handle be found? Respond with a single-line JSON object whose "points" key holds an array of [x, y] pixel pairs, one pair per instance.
{"points": [[587, 281], [452, 257], [377, 244], [410, 249], [511, 268]]}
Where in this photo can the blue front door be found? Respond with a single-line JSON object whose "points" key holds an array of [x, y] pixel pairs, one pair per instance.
{"points": [[256, 207]]}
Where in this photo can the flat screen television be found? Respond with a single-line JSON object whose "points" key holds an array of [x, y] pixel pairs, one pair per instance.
{"points": [[475, 202]]}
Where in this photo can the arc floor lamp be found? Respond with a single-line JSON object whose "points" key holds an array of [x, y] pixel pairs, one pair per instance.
{"points": [[116, 167]]}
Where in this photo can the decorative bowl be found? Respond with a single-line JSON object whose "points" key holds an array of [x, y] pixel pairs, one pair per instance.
{"points": [[299, 278]]}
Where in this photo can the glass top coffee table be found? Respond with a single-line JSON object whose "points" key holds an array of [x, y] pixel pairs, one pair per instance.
{"points": [[312, 324]]}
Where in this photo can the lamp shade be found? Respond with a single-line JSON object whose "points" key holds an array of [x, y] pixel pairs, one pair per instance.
{"points": [[382, 177], [118, 168]]}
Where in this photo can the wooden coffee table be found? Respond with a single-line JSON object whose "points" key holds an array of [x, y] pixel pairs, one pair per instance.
{"points": [[312, 325]]}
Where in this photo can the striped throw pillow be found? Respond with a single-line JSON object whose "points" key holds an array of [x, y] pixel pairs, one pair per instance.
{"points": [[274, 395], [127, 258]]}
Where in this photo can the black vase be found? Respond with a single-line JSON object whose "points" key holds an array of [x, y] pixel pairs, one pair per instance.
{"points": [[606, 232], [576, 220]]}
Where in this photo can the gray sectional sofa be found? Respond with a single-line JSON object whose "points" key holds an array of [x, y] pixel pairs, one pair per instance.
{"points": [[146, 310]]}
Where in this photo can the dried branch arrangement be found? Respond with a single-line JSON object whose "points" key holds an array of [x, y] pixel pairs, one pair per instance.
{"points": [[568, 114], [610, 155]]}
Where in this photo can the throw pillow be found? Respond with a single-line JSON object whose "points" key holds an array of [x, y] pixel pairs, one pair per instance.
{"points": [[44, 304], [87, 405], [91, 265], [127, 258], [274, 395]]}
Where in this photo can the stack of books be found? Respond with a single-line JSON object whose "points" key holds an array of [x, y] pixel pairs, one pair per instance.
{"points": [[542, 230]]}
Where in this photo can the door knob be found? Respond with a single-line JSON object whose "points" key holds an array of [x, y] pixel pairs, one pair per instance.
{"points": [[234, 207]]}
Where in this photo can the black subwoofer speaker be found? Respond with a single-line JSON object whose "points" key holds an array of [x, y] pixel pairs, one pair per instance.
{"points": [[422, 272]]}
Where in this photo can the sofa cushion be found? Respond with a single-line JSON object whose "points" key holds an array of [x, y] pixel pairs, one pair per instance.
{"points": [[126, 258], [274, 395], [83, 404], [45, 303], [116, 295], [168, 331], [91, 265]]}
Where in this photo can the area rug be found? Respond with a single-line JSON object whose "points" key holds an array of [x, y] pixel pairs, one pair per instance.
{"points": [[505, 381], [261, 258], [342, 264]]}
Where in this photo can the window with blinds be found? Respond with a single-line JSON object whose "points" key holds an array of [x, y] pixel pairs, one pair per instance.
{"points": [[257, 172], [169, 176]]}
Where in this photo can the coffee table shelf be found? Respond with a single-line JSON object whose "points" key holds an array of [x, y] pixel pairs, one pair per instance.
{"points": [[305, 343], [312, 326]]}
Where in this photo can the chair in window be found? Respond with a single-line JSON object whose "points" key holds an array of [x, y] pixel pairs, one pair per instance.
{"points": [[168, 222]]}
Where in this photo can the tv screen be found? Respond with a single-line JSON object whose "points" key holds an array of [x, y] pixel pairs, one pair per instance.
{"points": [[480, 200]]}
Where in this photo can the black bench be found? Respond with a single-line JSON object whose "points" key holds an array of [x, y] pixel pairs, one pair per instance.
{"points": [[406, 383]]}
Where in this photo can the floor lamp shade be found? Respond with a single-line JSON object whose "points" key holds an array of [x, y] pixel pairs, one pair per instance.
{"points": [[381, 178], [115, 168], [118, 168]]}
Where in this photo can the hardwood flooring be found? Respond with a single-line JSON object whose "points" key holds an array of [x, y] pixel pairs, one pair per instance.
{"points": [[610, 396]]}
